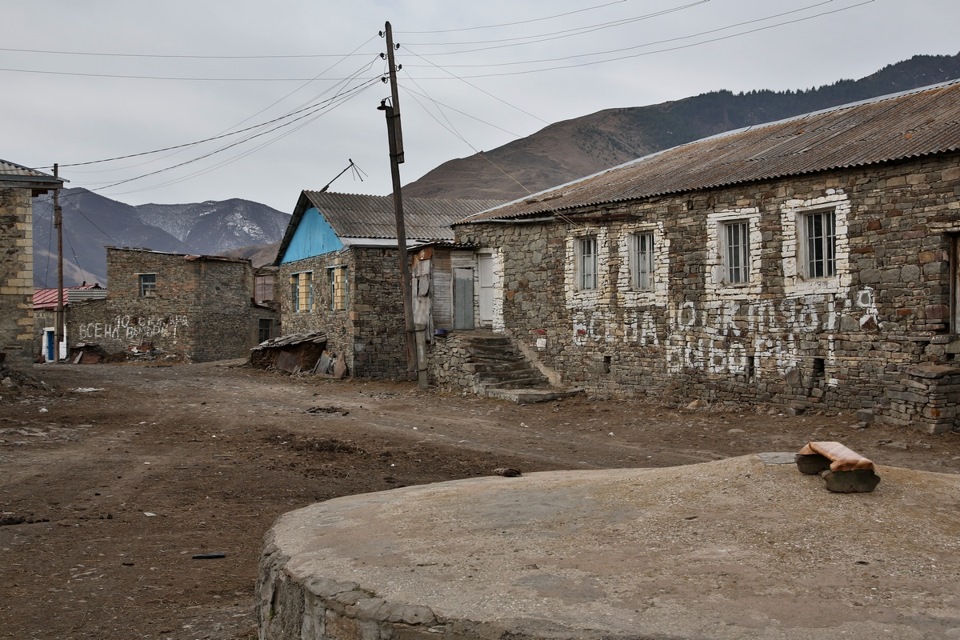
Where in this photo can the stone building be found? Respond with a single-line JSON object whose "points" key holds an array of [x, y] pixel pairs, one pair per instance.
{"points": [[18, 186], [198, 308], [339, 272], [807, 262], [45, 303]]}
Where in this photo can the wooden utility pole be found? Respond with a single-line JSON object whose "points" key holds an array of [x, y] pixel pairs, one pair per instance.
{"points": [[395, 135], [58, 223]]}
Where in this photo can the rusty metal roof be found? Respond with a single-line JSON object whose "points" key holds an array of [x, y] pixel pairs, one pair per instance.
{"points": [[365, 217], [906, 125]]}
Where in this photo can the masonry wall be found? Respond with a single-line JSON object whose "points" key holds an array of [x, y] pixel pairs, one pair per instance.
{"points": [[201, 308], [782, 338], [16, 275], [369, 332]]}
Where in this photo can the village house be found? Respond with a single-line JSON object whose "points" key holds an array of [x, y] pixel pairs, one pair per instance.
{"points": [[45, 303], [195, 308], [339, 272], [807, 262], [18, 186]]}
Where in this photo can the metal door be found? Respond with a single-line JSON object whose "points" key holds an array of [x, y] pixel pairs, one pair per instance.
{"points": [[463, 298]]}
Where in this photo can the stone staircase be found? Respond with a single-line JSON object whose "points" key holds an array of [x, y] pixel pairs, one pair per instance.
{"points": [[499, 370], [496, 362]]}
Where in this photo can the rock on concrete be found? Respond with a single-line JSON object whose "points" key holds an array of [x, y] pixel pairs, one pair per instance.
{"points": [[729, 549]]}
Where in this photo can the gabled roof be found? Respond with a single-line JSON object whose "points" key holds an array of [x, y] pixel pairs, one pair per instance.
{"points": [[911, 124], [15, 175], [363, 219]]}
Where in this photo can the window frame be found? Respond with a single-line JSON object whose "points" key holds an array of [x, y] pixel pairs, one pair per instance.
{"points": [[642, 252], [301, 286], [147, 283], [587, 280], [339, 287], [736, 254], [818, 250]]}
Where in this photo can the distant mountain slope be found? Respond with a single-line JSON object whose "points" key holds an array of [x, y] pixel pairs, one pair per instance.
{"points": [[92, 221], [217, 226], [571, 149]]}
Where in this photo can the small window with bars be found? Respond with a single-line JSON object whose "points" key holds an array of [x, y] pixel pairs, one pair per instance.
{"points": [[820, 244], [736, 253]]}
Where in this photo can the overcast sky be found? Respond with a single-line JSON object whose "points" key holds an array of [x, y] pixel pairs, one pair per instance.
{"points": [[86, 81]]}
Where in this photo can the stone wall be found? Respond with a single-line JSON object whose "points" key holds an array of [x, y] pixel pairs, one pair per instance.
{"points": [[370, 330], [16, 275], [201, 308], [834, 342]]}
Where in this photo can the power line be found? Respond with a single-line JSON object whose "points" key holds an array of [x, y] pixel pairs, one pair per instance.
{"points": [[197, 142], [423, 94], [483, 91], [648, 53], [513, 24], [566, 33], [177, 78], [452, 129], [343, 97], [182, 56]]}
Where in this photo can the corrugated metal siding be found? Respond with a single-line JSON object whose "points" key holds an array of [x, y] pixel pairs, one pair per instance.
{"points": [[912, 124]]}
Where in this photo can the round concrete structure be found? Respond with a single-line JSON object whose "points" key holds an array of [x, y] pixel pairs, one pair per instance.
{"points": [[740, 548]]}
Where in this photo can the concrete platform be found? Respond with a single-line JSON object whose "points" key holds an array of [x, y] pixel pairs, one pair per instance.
{"points": [[530, 396], [739, 548]]}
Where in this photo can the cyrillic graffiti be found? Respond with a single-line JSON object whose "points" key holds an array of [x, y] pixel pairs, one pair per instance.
{"points": [[721, 336], [133, 328]]}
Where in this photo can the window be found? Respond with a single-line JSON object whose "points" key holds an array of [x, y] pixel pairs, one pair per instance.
{"points": [[736, 251], [587, 263], [820, 244], [295, 292], [641, 261], [148, 285], [263, 288], [338, 288], [264, 330], [301, 292]]}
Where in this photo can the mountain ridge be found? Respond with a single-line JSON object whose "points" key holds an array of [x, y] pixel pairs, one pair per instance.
{"points": [[92, 221], [574, 148]]}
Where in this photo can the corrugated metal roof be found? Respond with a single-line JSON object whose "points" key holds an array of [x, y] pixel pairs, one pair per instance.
{"points": [[10, 171], [47, 298], [357, 219], [362, 216], [905, 125]]}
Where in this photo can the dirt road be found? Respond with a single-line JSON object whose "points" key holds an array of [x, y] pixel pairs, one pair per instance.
{"points": [[134, 498]]}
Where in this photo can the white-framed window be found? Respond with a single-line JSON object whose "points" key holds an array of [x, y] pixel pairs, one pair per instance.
{"points": [[734, 242], [641, 251], [148, 285], [735, 236], [337, 279], [816, 244], [586, 254], [818, 232]]}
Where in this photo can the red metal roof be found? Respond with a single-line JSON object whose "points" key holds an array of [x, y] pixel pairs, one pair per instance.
{"points": [[47, 298], [906, 125]]}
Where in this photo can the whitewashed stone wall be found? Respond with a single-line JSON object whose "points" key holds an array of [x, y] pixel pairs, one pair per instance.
{"points": [[835, 341]]}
